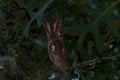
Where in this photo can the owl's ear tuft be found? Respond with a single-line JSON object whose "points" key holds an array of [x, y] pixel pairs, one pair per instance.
{"points": [[46, 25], [57, 25]]}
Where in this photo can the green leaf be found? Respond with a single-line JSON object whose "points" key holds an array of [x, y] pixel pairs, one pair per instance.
{"points": [[113, 29], [39, 15]]}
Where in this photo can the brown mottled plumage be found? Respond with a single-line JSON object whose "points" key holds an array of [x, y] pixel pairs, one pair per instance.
{"points": [[57, 50]]}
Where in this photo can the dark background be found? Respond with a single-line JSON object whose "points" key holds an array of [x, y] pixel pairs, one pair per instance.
{"points": [[91, 32]]}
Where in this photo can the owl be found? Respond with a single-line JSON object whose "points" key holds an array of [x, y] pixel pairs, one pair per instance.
{"points": [[57, 49]]}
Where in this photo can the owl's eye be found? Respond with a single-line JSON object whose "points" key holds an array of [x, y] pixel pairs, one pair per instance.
{"points": [[59, 33]]}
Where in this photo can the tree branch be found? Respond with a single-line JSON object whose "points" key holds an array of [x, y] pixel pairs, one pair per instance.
{"points": [[92, 63]]}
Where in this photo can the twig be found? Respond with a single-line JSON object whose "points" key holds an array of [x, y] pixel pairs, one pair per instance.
{"points": [[92, 63]]}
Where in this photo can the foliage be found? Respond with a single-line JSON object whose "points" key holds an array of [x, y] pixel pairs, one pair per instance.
{"points": [[91, 30]]}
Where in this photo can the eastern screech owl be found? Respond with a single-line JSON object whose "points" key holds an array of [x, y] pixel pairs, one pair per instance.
{"points": [[57, 50]]}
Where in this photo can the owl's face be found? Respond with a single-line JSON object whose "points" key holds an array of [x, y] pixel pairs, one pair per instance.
{"points": [[53, 30]]}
